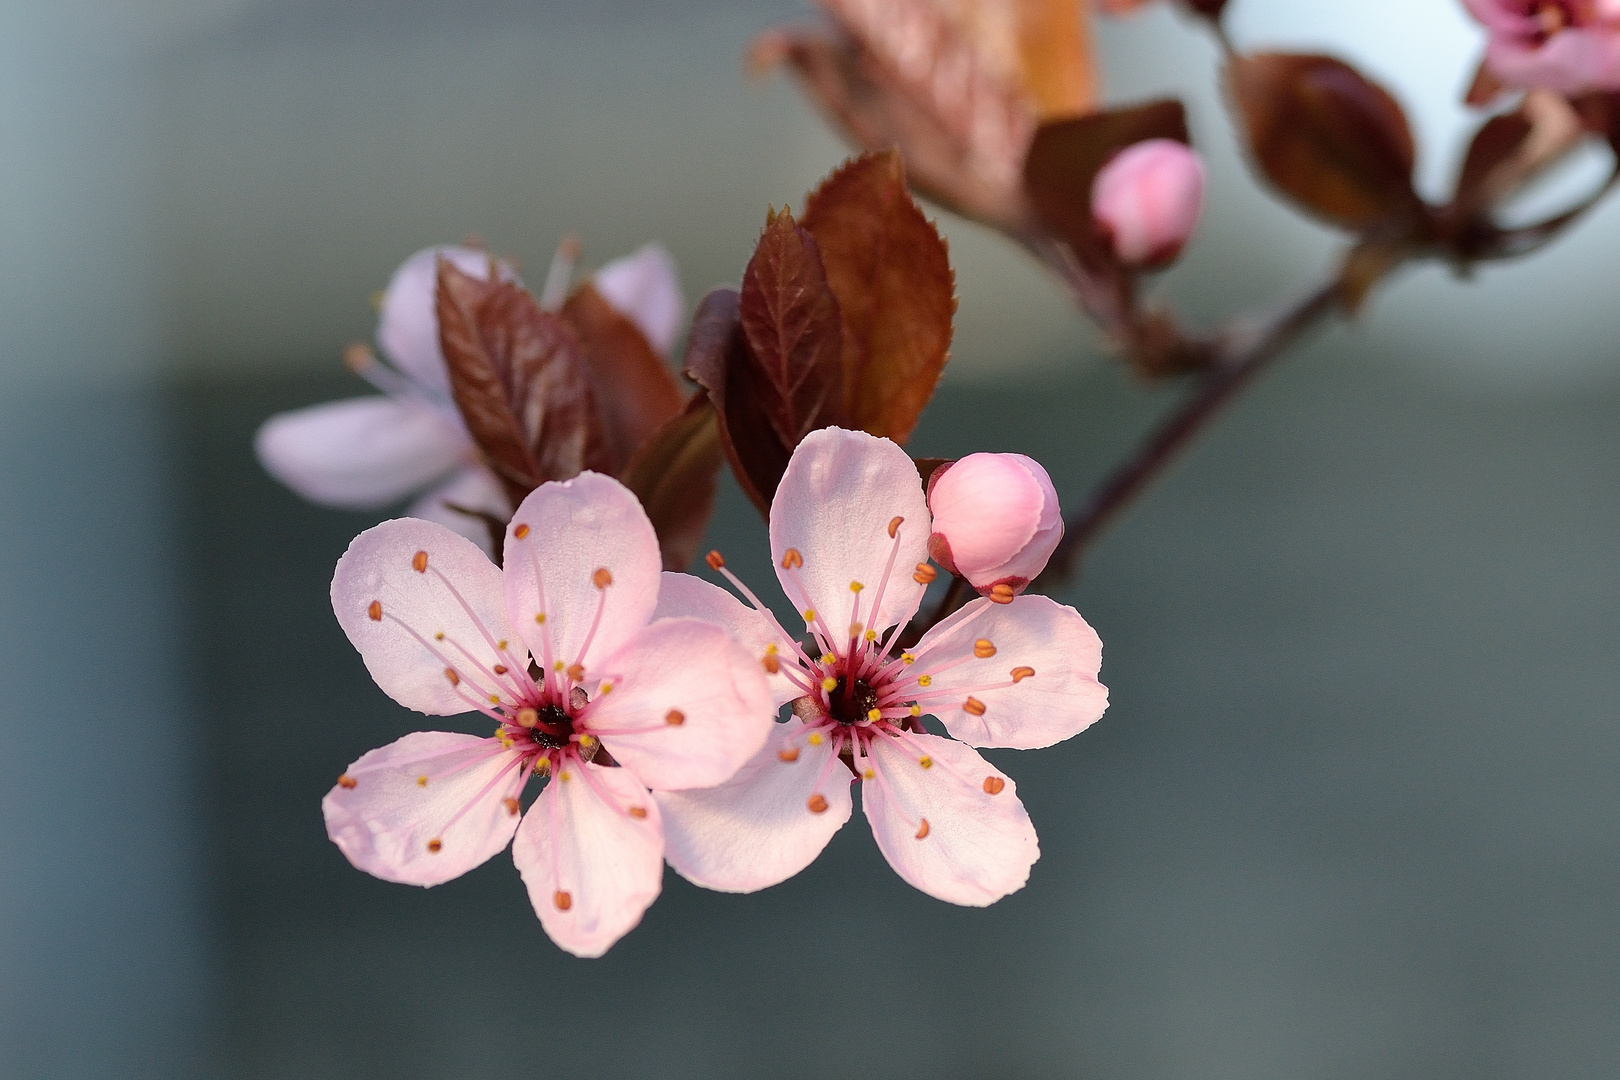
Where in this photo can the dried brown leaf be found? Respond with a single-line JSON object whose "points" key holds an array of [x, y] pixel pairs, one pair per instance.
{"points": [[636, 393]]}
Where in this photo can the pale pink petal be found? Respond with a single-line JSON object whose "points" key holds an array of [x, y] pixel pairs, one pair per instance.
{"points": [[999, 516], [954, 827], [645, 287], [591, 851], [1571, 62], [681, 705], [685, 596], [395, 615], [840, 495], [473, 488], [408, 325], [1037, 687], [760, 827], [427, 808], [360, 453], [563, 541], [1148, 199]]}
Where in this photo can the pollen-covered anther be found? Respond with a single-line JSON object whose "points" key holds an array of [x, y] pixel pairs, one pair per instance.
{"points": [[908, 658], [926, 762], [542, 765], [674, 718], [856, 586], [829, 684], [809, 614], [870, 635], [499, 669], [527, 718], [791, 559], [1002, 594], [520, 531], [605, 689], [562, 900], [602, 578], [869, 774], [1019, 674], [576, 672], [438, 635], [587, 740], [894, 526], [565, 776], [983, 649], [638, 812], [715, 560], [874, 714], [374, 609], [789, 753], [419, 562], [916, 710], [973, 705], [856, 629], [993, 785], [347, 782], [815, 738], [924, 574], [922, 830], [450, 673], [540, 617], [512, 806], [817, 804], [435, 845], [771, 663], [829, 658], [925, 680], [421, 781]]}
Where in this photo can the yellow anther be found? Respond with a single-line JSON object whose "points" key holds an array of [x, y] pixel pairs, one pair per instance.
{"points": [[421, 781], [925, 680], [565, 776], [916, 710], [829, 684], [542, 765], [828, 658], [540, 617], [494, 699], [874, 714], [501, 645], [771, 650], [587, 740], [869, 774], [817, 804], [439, 636], [809, 615], [983, 649], [815, 738], [871, 635], [924, 574], [607, 688], [1002, 594], [908, 658], [926, 762], [856, 586], [558, 666]]}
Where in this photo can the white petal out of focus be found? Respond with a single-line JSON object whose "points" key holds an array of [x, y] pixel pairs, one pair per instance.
{"points": [[608, 861], [694, 671], [834, 505], [757, 829], [360, 453], [408, 325], [426, 808], [1061, 699], [978, 846], [646, 288], [569, 531], [682, 595], [474, 488], [407, 661]]}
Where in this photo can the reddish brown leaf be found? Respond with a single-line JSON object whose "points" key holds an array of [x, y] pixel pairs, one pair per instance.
{"points": [[889, 269], [675, 475], [1328, 138], [1066, 156], [636, 393], [717, 360], [516, 376], [791, 321]]}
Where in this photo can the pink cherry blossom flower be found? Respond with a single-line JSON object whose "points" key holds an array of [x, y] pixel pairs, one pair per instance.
{"points": [[1569, 46], [996, 521], [364, 453], [849, 536], [587, 693], [1148, 199]]}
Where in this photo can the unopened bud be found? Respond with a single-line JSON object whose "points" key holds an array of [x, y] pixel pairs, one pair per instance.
{"points": [[1147, 200], [996, 519]]}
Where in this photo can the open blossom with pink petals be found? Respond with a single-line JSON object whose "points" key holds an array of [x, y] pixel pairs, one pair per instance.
{"points": [[1570, 46], [996, 521], [849, 530], [587, 692], [368, 452]]}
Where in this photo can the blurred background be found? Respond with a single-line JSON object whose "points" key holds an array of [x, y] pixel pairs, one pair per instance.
{"points": [[1351, 814]]}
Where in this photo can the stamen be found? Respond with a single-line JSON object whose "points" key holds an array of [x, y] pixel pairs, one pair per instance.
{"points": [[829, 684], [817, 804], [602, 578], [576, 672], [894, 526], [562, 900], [347, 782], [1019, 674], [520, 531], [787, 753], [993, 785], [973, 705], [926, 762], [435, 845], [637, 812], [422, 781], [924, 574], [419, 562], [983, 649], [1002, 594], [455, 680], [715, 560], [674, 718], [375, 611], [791, 559], [512, 806], [922, 830]]}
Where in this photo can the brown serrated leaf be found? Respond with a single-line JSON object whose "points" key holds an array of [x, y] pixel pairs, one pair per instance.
{"points": [[1327, 137], [517, 379], [791, 321], [636, 393], [1066, 156], [675, 474], [888, 267], [717, 360]]}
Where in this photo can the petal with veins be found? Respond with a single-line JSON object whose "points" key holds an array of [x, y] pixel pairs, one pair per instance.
{"points": [[474, 488], [394, 615], [685, 596], [360, 453], [408, 326], [841, 491], [977, 846], [1057, 695], [425, 809], [757, 829], [687, 706], [559, 543], [591, 863], [646, 289]]}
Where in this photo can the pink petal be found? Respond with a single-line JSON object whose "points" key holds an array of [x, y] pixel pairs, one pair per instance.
{"points": [[999, 513], [645, 287], [834, 506], [682, 595], [1055, 697], [427, 808], [563, 540], [474, 488], [591, 864], [681, 705], [1148, 199], [1571, 62], [977, 846], [757, 829], [360, 453], [394, 614], [408, 327]]}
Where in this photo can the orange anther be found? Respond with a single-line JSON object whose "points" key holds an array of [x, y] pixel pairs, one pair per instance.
{"points": [[817, 804], [562, 900], [500, 669], [788, 753], [450, 673], [772, 664], [894, 526], [347, 782], [419, 562], [576, 672], [974, 706], [922, 830], [1002, 594], [520, 531], [791, 559], [375, 611], [602, 578], [715, 560], [924, 574], [435, 845], [527, 718], [993, 785], [638, 812], [512, 806], [1019, 674], [983, 649], [674, 718]]}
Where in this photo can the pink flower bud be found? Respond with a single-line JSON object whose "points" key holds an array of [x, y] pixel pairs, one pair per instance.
{"points": [[1147, 200], [1570, 46], [996, 520]]}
